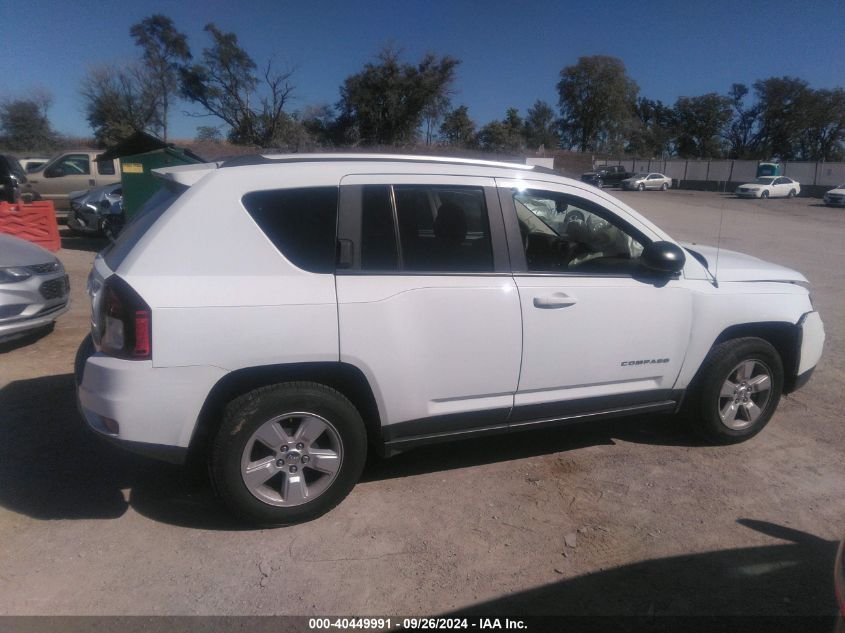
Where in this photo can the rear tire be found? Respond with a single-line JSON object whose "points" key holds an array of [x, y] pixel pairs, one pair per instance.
{"points": [[664, 186], [791, 193], [736, 390], [287, 453]]}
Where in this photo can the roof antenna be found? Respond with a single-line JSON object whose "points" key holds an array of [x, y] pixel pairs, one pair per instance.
{"points": [[719, 239]]}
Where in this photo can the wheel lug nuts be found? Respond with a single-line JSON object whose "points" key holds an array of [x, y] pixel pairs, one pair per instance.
{"points": [[280, 462], [292, 469], [284, 448], [300, 446], [305, 459]]}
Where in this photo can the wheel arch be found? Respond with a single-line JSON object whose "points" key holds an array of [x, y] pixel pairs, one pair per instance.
{"points": [[783, 336], [343, 377]]}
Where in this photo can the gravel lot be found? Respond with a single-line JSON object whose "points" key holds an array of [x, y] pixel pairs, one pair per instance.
{"points": [[628, 517]]}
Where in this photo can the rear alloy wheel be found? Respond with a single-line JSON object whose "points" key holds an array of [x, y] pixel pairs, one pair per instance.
{"points": [[664, 186], [736, 390], [791, 193], [288, 453]]}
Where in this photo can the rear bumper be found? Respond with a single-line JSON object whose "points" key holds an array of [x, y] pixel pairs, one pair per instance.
{"points": [[148, 410]]}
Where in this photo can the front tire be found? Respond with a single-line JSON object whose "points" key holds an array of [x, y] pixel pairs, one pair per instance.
{"points": [[287, 453], [764, 195], [736, 390]]}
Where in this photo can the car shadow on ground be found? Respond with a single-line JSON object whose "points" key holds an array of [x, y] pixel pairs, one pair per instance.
{"points": [[764, 584], [53, 467], [27, 339], [76, 242]]}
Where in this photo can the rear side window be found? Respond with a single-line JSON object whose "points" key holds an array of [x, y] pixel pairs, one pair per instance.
{"points": [[301, 223], [105, 167]]}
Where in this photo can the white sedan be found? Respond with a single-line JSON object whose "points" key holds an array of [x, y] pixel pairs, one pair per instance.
{"points": [[641, 182], [835, 197], [769, 187]]}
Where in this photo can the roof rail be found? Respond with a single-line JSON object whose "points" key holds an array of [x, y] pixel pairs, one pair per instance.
{"points": [[270, 159]]}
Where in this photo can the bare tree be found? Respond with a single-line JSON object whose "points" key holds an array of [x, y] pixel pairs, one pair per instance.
{"points": [[120, 101]]}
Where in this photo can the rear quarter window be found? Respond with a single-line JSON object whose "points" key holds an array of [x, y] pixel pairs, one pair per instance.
{"points": [[301, 223]]}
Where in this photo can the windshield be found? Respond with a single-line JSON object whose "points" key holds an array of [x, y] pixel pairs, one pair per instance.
{"points": [[764, 181], [640, 175]]}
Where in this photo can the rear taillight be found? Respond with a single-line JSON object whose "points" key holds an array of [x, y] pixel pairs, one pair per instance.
{"points": [[125, 322]]}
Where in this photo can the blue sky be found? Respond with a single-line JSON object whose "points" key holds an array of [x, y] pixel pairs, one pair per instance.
{"points": [[512, 52]]}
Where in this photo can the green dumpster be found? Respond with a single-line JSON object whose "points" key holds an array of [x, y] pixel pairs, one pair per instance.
{"points": [[139, 184]]}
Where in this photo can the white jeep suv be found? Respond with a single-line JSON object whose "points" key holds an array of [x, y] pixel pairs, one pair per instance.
{"points": [[283, 315]]}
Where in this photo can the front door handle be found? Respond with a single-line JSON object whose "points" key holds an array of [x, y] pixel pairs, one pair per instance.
{"points": [[554, 301]]}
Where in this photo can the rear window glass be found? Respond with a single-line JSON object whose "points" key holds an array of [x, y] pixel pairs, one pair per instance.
{"points": [[301, 223], [152, 210]]}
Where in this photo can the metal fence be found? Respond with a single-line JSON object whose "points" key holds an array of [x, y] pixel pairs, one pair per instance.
{"points": [[725, 173]]}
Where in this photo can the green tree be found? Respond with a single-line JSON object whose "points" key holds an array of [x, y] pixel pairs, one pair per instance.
{"points": [[458, 129], [208, 134], [701, 122], [119, 102], [652, 133], [542, 128], [823, 129], [596, 102], [164, 51], [225, 84], [503, 136], [384, 104], [24, 124], [742, 131], [781, 116]]}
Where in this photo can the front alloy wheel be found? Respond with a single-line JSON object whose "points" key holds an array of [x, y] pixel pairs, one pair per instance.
{"points": [[744, 394], [736, 390]]}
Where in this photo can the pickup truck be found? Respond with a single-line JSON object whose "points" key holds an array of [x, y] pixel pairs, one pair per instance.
{"points": [[73, 170], [606, 176]]}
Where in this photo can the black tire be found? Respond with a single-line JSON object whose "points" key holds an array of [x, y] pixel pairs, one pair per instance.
{"points": [[641, 187], [243, 417], [704, 401], [764, 195], [791, 193], [664, 186], [599, 183]]}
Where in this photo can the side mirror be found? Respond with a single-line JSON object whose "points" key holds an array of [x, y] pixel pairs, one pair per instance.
{"points": [[663, 257]]}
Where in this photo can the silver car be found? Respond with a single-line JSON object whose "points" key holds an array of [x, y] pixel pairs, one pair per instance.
{"points": [[93, 211], [33, 287], [640, 182]]}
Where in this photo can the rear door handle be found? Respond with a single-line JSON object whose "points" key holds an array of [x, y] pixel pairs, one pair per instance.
{"points": [[554, 301]]}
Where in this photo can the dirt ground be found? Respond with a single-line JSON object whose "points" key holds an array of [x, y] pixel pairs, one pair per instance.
{"points": [[628, 517]]}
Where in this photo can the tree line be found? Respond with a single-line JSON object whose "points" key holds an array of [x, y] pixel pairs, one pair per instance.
{"points": [[392, 102]]}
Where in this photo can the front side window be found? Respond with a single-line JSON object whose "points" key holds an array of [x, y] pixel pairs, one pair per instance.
{"points": [[439, 229], [567, 234], [71, 165], [301, 223]]}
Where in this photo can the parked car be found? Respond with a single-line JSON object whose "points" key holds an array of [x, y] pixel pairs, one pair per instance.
{"points": [[835, 197], [641, 182], [97, 211], [606, 176], [343, 303], [70, 171], [769, 187], [12, 178], [33, 288], [32, 164]]}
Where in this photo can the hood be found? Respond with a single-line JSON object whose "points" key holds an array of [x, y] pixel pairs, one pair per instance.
{"points": [[734, 266], [838, 191], [18, 252]]}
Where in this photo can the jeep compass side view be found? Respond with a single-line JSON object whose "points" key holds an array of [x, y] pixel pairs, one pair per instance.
{"points": [[283, 315]]}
